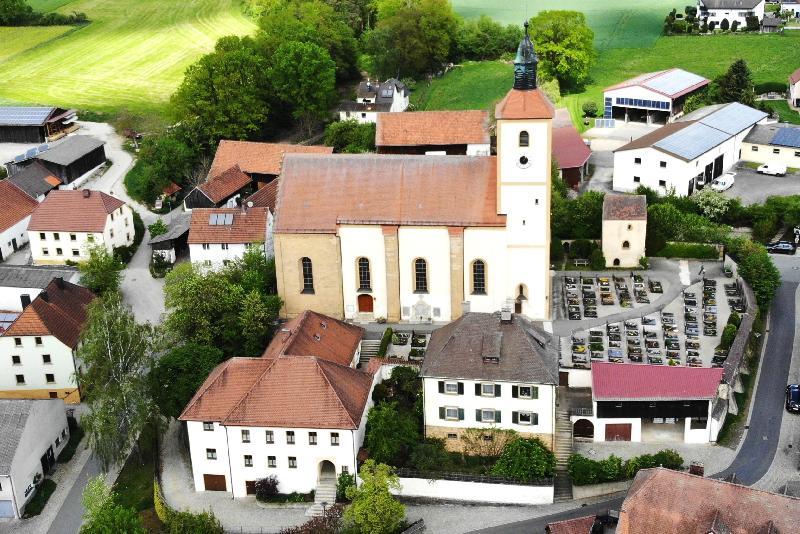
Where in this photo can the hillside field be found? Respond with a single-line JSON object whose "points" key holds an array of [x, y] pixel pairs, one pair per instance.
{"points": [[131, 56]]}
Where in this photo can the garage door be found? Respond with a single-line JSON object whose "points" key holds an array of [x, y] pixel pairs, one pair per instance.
{"points": [[6, 509], [621, 432], [214, 482]]}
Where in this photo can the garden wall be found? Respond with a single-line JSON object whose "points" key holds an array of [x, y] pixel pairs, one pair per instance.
{"points": [[578, 378], [593, 490], [458, 490]]}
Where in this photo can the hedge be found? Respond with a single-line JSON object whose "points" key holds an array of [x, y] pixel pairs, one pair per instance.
{"points": [[385, 340], [689, 250], [584, 471]]}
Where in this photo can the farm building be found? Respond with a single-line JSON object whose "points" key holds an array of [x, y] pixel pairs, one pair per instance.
{"points": [[794, 89], [653, 97], [35, 124], [73, 157], [687, 154], [15, 213], [36, 180], [434, 133], [570, 151], [773, 143], [175, 242], [719, 11]]}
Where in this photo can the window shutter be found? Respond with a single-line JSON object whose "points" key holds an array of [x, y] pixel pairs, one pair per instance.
{"points": [[461, 414], [515, 417], [497, 390], [534, 418], [441, 412], [478, 415], [497, 416], [515, 391], [441, 386], [461, 388], [535, 392], [477, 390]]}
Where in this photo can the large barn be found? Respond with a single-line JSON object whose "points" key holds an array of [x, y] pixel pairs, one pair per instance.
{"points": [[35, 124]]}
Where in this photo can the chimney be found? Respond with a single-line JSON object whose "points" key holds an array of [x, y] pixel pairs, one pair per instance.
{"points": [[505, 313], [87, 193], [43, 295], [697, 468], [59, 282]]}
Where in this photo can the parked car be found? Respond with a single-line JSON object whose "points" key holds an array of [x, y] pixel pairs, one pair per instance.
{"points": [[724, 182], [782, 247], [793, 398], [775, 169]]}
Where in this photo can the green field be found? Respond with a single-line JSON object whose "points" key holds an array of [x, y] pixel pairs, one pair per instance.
{"points": [[49, 5], [132, 55], [616, 23]]}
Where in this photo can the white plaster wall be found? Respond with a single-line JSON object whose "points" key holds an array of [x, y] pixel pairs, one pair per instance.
{"points": [[10, 297], [489, 245], [511, 175], [615, 233], [544, 406], [269, 243], [600, 425], [474, 491], [363, 242], [399, 101], [479, 149], [639, 92], [433, 245], [765, 154], [531, 267], [216, 256], [32, 366], [700, 435], [362, 117], [16, 231], [579, 378], [199, 441], [732, 14]]}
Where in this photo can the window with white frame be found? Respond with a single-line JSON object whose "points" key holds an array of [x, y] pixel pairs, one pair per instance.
{"points": [[272, 463], [487, 415], [487, 390], [270, 437], [211, 454], [335, 439], [312, 438], [248, 460], [525, 392], [208, 426], [526, 418], [290, 437], [451, 388], [451, 413], [292, 462]]}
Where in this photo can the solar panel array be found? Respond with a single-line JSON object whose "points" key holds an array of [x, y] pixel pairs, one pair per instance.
{"points": [[220, 219], [31, 153], [787, 137], [733, 118], [692, 141], [24, 116], [673, 82]]}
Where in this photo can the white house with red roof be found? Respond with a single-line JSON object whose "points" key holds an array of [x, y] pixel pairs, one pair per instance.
{"points": [[15, 213], [69, 222], [218, 236], [652, 97], [794, 84], [636, 402]]}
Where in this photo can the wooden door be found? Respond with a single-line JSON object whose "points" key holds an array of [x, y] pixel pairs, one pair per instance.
{"points": [[618, 432], [584, 428], [215, 483], [563, 378], [250, 487], [365, 303]]}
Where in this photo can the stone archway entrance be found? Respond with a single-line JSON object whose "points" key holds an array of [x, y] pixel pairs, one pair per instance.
{"points": [[583, 428], [327, 471]]}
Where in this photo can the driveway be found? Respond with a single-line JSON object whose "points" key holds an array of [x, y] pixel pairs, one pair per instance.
{"points": [[604, 141], [754, 188]]}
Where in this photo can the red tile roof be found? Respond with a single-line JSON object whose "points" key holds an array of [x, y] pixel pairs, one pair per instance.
{"points": [[59, 311], [569, 150], [518, 104], [580, 525], [319, 192], [257, 158], [432, 128], [376, 363], [266, 196], [171, 189], [73, 211], [248, 226], [618, 207], [15, 205], [314, 334], [630, 381], [222, 186], [289, 392], [794, 77], [669, 502]]}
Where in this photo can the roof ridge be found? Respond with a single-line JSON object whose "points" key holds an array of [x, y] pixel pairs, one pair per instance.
{"points": [[249, 391], [327, 379]]}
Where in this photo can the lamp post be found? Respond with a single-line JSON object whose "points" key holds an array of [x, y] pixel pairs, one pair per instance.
{"points": [[324, 508]]}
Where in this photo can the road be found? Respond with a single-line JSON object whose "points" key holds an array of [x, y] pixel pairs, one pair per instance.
{"points": [[69, 516]]}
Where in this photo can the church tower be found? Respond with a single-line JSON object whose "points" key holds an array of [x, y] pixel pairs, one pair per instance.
{"points": [[524, 145]]}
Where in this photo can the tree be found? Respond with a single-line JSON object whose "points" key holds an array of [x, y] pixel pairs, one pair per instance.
{"points": [[724, 25], [714, 205], [350, 136], [15, 12], [373, 508], [483, 39], [158, 228], [253, 271], [224, 95], [103, 515], [161, 159], [117, 354], [304, 75], [694, 102], [256, 319], [525, 460], [757, 268], [736, 85], [102, 272], [178, 373], [589, 109], [565, 45], [391, 434]]}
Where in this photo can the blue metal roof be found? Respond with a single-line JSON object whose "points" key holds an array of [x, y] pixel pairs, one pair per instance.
{"points": [[24, 116], [673, 82], [692, 141], [733, 118], [787, 137]]}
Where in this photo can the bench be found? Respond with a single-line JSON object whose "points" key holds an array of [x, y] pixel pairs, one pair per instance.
{"points": [[581, 262]]}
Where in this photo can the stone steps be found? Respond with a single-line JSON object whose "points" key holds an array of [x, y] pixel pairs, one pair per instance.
{"points": [[369, 349], [325, 492]]}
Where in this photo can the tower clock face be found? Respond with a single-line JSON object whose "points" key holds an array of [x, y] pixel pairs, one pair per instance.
{"points": [[523, 162]]}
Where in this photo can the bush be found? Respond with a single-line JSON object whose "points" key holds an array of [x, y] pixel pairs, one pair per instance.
{"points": [[712, 25], [43, 493], [582, 470], [668, 459], [735, 25], [556, 250], [611, 469], [524, 460], [344, 481], [157, 228], [596, 260], [644, 263], [266, 488], [385, 340], [728, 335], [350, 136], [159, 266], [430, 455], [329, 523], [586, 471], [753, 26], [735, 319], [581, 248], [689, 250], [202, 523], [589, 109], [724, 25]]}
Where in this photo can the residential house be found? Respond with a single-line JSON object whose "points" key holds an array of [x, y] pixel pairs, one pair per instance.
{"points": [[773, 143], [650, 403], [433, 133], [688, 154], [15, 213], [624, 229], [218, 236], [652, 97], [421, 238], [266, 197], [732, 11], [487, 370], [671, 502], [373, 98], [37, 351], [20, 284], [794, 87], [570, 151], [175, 241], [67, 223], [299, 413], [32, 435], [36, 180], [35, 124], [792, 7]]}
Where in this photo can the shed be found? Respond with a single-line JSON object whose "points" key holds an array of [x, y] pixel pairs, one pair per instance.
{"points": [[73, 157], [171, 244], [35, 124]]}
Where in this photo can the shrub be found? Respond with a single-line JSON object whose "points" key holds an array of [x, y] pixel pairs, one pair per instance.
{"points": [[728, 335], [589, 109], [344, 481], [724, 25], [525, 459], [689, 250], [735, 25], [380, 393], [581, 248], [202, 523], [329, 523], [765, 227], [712, 25], [596, 260], [266, 488], [430, 455], [644, 263], [610, 469], [587, 471], [735, 318], [753, 26], [668, 458], [475, 443], [583, 470], [385, 340], [350, 136], [556, 250], [157, 228]]}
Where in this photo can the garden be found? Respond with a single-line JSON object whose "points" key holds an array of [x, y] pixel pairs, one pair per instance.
{"points": [[409, 346], [584, 471]]}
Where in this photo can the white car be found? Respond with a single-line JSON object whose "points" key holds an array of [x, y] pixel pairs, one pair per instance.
{"points": [[775, 169], [724, 182]]}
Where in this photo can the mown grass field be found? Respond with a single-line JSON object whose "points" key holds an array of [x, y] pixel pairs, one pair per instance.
{"points": [[131, 56]]}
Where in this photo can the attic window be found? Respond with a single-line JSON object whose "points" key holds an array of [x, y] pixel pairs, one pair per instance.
{"points": [[316, 337], [323, 325]]}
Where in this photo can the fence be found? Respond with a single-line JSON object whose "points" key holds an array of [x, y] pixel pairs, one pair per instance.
{"points": [[405, 472]]}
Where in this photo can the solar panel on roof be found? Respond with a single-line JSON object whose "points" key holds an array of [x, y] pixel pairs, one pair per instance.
{"points": [[42, 148], [24, 116], [19, 158], [673, 82], [733, 118], [228, 219], [692, 141], [787, 137]]}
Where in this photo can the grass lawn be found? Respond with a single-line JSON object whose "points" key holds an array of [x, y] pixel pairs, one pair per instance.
{"points": [[134, 486], [785, 113], [132, 55], [49, 5]]}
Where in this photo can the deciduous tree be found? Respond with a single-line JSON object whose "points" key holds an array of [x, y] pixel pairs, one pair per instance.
{"points": [[373, 508], [178, 373], [102, 272], [525, 459], [103, 515], [391, 434], [565, 45]]}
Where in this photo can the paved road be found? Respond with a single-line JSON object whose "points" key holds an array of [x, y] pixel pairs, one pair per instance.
{"points": [[69, 517], [754, 188]]}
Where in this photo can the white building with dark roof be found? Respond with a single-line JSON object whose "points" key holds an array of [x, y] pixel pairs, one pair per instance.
{"points": [[794, 81], [653, 97], [373, 97], [20, 284], [773, 143], [717, 11], [624, 229], [688, 154]]}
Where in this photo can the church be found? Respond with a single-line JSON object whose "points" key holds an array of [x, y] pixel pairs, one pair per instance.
{"points": [[420, 238]]}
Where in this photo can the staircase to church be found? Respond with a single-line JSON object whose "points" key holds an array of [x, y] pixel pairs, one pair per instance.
{"points": [[325, 492], [563, 449], [369, 349]]}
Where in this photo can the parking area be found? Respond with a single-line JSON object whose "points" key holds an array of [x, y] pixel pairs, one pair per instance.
{"points": [[754, 188]]}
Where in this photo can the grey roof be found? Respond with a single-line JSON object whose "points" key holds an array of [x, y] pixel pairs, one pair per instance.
{"points": [[33, 276], [31, 179], [763, 134], [24, 116], [70, 149], [459, 349], [733, 118], [730, 4], [13, 418], [771, 22], [787, 137], [178, 226], [674, 82], [692, 141], [701, 112]]}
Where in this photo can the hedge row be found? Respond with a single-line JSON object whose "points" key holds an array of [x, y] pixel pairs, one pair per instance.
{"points": [[689, 250], [179, 522], [586, 471], [385, 340]]}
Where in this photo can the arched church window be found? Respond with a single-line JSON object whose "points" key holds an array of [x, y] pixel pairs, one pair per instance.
{"points": [[524, 138]]}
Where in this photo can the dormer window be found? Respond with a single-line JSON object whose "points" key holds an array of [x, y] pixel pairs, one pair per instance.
{"points": [[524, 139]]}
